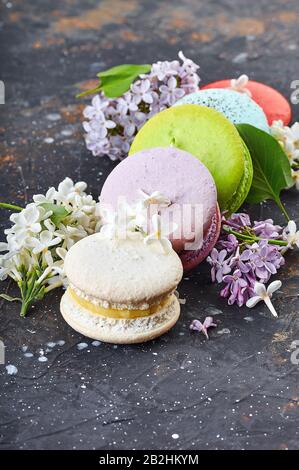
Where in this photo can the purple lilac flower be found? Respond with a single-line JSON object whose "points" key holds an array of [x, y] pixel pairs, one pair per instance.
{"points": [[196, 325], [265, 260], [219, 264], [266, 229], [236, 288], [238, 221], [238, 261], [111, 124], [248, 262], [229, 243]]}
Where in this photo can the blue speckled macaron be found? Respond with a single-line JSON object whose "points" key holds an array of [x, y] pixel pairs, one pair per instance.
{"points": [[237, 107]]}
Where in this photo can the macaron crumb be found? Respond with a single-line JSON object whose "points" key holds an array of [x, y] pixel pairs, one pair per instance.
{"points": [[28, 354], [43, 359], [82, 346], [11, 369]]}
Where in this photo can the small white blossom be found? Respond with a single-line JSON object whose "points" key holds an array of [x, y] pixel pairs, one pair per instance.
{"points": [[160, 233], [124, 223], [291, 235], [44, 242], [154, 198], [47, 198], [27, 221], [288, 137], [295, 175], [240, 85], [265, 295]]}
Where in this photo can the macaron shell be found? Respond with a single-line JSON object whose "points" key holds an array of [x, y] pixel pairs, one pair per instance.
{"points": [[114, 331], [206, 134], [273, 103], [191, 258], [122, 271], [176, 174], [245, 184], [237, 107]]}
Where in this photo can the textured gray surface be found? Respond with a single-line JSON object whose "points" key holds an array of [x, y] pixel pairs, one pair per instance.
{"points": [[238, 390]]}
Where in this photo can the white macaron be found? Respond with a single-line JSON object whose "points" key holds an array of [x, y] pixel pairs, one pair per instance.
{"points": [[121, 291]]}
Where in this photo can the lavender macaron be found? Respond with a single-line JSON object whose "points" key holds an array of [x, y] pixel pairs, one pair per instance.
{"points": [[188, 186]]}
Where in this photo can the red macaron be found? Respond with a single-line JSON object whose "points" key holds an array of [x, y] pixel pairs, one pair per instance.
{"points": [[274, 104]]}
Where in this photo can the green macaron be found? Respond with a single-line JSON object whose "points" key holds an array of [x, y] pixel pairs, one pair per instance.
{"points": [[209, 136]]}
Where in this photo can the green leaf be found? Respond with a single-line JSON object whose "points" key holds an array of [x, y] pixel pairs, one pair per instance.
{"points": [[116, 81], [9, 298], [271, 167], [59, 213]]}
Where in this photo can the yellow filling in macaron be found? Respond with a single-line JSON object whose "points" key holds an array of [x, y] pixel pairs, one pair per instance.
{"points": [[116, 313]]}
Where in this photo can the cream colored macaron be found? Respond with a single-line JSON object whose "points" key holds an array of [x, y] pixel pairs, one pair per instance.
{"points": [[121, 291]]}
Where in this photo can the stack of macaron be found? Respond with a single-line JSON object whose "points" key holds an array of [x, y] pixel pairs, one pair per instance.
{"points": [[122, 290]]}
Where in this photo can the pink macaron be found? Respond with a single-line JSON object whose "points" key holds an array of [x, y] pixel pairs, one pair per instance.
{"points": [[185, 182]]}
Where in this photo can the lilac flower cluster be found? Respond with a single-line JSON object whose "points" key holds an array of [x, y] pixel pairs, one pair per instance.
{"points": [[111, 124], [245, 253]]}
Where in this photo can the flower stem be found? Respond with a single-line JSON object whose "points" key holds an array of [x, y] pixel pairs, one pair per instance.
{"points": [[282, 208], [11, 207], [24, 308], [88, 92], [251, 239]]}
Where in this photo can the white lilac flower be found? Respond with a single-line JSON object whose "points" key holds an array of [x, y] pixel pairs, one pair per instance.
{"points": [[291, 235], [47, 198], [26, 223], [5, 268], [295, 175], [156, 197], [43, 242], [36, 245], [160, 233], [264, 294], [126, 222], [240, 85], [288, 137], [70, 234]]}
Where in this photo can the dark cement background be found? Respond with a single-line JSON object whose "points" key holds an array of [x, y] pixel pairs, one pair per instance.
{"points": [[238, 390]]}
